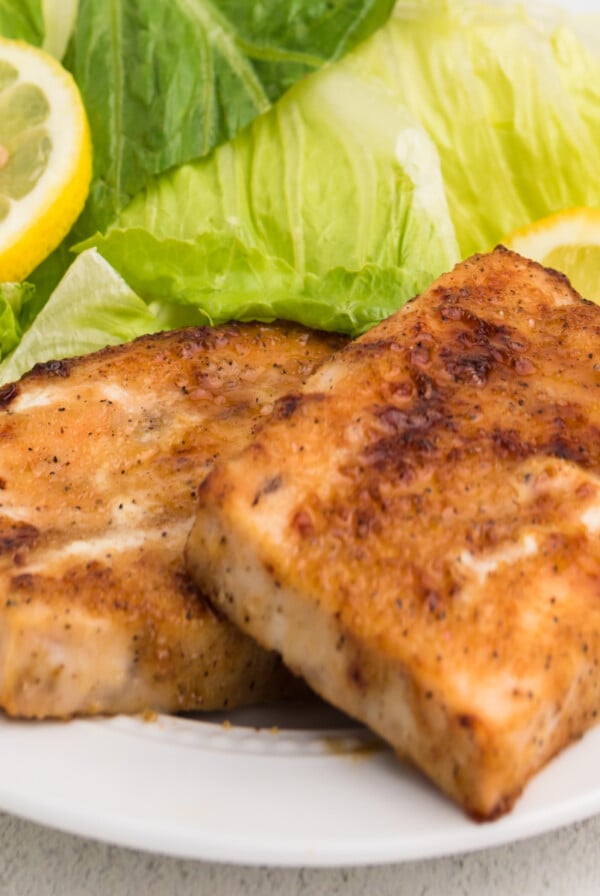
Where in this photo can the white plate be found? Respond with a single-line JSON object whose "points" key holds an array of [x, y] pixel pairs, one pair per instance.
{"points": [[318, 791], [313, 796]]}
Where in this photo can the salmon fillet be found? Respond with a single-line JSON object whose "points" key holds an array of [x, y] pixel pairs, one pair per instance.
{"points": [[100, 460], [417, 529]]}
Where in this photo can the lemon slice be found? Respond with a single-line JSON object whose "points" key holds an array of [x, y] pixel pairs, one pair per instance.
{"points": [[45, 157], [568, 241]]}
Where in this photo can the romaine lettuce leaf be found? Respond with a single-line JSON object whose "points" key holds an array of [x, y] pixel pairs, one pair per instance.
{"points": [[45, 23], [92, 307], [14, 297], [511, 97], [332, 208], [215, 278], [164, 81], [329, 210], [22, 20], [286, 41]]}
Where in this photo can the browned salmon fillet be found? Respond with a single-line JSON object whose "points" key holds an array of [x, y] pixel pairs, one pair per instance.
{"points": [[100, 458], [417, 530]]}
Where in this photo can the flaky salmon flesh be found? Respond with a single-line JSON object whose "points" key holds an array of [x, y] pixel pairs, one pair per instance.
{"points": [[417, 529], [99, 463]]}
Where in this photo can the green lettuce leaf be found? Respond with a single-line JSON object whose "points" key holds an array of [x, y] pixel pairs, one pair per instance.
{"points": [[329, 210], [14, 297], [91, 308], [511, 97], [216, 278], [45, 23], [22, 20], [341, 173], [164, 82]]}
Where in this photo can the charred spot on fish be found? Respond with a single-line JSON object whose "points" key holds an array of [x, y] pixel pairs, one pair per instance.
{"points": [[409, 434], [450, 296], [23, 582], [185, 584], [390, 454], [473, 369], [481, 329], [466, 720], [271, 485], [419, 417], [567, 450], [509, 442], [198, 604], [372, 347], [420, 355], [198, 340], [434, 603], [523, 366], [402, 389], [16, 536], [466, 339], [480, 345], [426, 387], [7, 394], [286, 406], [95, 572], [401, 452], [356, 676], [450, 312], [302, 521], [518, 345], [364, 522], [52, 368]]}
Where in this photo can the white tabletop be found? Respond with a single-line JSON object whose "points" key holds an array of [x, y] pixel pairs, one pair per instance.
{"points": [[44, 862]]}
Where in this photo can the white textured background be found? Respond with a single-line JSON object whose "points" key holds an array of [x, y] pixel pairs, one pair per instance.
{"points": [[35, 861]]}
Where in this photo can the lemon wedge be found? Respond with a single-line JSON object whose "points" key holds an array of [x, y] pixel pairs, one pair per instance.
{"points": [[45, 157], [568, 241]]}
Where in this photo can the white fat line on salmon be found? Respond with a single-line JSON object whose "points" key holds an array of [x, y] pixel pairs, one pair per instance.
{"points": [[55, 395], [104, 546], [36, 398], [591, 519], [124, 510], [485, 564], [17, 514]]}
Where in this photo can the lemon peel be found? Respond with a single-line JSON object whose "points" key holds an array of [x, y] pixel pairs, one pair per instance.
{"points": [[45, 156], [568, 241]]}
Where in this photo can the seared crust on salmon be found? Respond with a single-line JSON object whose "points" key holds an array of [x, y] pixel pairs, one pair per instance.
{"points": [[417, 530], [100, 459]]}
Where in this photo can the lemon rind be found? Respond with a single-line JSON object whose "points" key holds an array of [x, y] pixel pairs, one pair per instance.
{"points": [[38, 222]]}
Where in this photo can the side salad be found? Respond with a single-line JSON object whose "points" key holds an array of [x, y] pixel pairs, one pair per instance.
{"points": [[318, 162]]}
